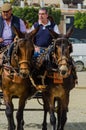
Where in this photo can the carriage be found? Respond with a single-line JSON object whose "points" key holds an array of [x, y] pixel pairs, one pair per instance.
{"points": [[54, 78]]}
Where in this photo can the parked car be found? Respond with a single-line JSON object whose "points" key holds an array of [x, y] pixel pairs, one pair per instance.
{"points": [[75, 40], [83, 40], [80, 62], [79, 53]]}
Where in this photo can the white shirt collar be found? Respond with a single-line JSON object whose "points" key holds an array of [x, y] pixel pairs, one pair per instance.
{"points": [[49, 23]]}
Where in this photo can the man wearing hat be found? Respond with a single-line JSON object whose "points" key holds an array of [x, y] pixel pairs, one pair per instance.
{"points": [[7, 19]]}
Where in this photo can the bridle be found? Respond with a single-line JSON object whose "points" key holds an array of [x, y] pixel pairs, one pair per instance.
{"points": [[16, 65], [16, 46], [61, 61]]}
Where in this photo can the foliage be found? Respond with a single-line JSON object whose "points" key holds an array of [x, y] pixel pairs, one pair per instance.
{"points": [[31, 14], [56, 14], [80, 20]]}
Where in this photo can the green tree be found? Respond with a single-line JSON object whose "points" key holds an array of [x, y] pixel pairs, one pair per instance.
{"points": [[31, 14], [80, 20]]}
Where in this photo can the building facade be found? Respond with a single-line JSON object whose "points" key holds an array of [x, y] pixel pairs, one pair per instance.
{"points": [[57, 2]]}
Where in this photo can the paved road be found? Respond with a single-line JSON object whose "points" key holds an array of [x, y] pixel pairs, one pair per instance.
{"points": [[76, 115]]}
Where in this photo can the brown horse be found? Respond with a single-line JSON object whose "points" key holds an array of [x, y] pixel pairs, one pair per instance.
{"points": [[59, 79], [60, 84], [16, 79]]}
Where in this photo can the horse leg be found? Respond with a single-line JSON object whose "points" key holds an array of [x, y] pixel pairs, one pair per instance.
{"points": [[52, 115], [19, 115], [52, 120], [62, 113], [9, 114], [59, 114], [46, 109], [44, 124], [63, 119]]}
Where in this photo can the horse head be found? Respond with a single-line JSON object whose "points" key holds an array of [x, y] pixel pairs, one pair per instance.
{"points": [[62, 50], [23, 51]]}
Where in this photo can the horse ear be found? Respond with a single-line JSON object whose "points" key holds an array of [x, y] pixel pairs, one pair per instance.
{"points": [[70, 31], [70, 48], [17, 32], [33, 33], [54, 34]]}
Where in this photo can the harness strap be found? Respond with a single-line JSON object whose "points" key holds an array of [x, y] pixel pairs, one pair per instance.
{"points": [[23, 61], [38, 87], [57, 78]]}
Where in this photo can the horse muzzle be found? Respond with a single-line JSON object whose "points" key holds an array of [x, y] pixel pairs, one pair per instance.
{"points": [[24, 72], [64, 71]]}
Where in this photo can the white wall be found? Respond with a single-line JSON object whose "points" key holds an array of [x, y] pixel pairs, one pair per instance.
{"points": [[84, 2], [47, 1], [1, 3]]}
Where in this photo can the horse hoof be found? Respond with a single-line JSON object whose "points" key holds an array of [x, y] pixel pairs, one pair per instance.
{"points": [[60, 129], [44, 128], [12, 128]]}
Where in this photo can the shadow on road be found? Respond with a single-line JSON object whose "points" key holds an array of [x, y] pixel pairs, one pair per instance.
{"points": [[68, 126]]}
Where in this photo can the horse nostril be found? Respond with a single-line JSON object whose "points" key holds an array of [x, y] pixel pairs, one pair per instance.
{"points": [[63, 72], [24, 73]]}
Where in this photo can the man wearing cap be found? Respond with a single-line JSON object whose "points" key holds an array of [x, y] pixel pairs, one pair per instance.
{"points": [[7, 19]]}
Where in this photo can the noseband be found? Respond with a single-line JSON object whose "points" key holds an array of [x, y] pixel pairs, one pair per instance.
{"points": [[23, 61], [61, 56]]}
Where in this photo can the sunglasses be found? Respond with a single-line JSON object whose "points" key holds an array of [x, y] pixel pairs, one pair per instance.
{"points": [[42, 13], [6, 11]]}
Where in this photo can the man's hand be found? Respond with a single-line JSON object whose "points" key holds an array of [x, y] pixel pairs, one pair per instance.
{"points": [[37, 49], [16, 38], [1, 40]]}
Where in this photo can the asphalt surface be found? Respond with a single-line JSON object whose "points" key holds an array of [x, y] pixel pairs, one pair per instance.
{"points": [[76, 115]]}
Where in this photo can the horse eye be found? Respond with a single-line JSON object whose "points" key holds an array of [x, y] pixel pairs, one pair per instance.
{"points": [[58, 43], [21, 43]]}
